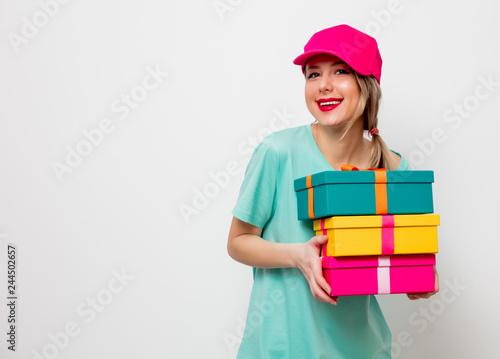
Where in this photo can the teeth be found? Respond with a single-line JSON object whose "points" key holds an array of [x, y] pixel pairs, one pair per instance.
{"points": [[329, 103]]}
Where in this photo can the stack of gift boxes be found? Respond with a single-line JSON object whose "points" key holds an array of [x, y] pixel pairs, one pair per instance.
{"points": [[382, 234]]}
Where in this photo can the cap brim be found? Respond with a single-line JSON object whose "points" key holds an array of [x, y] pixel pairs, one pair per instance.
{"points": [[302, 59]]}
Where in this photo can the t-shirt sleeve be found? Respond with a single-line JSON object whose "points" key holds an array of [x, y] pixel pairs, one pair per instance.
{"points": [[404, 165], [255, 203]]}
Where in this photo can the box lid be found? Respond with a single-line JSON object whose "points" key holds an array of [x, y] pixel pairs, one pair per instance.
{"points": [[338, 177], [379, 261], [377, 221]]}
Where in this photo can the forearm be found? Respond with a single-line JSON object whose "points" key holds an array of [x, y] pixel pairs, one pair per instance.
{"points": [[246, 245], [252, 250]]}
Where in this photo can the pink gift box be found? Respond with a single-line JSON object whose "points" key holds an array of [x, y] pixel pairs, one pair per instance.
{"points": [[362, 275]]}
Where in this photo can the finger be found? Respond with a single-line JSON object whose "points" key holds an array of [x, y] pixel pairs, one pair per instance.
{"points": [[415, 296], [319, 240], [436, 280], [318, 277], [322, 238], [321, 295], [323, 286]]}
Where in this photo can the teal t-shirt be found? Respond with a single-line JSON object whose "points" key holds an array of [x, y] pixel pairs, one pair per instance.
{"points": [[284, 320]]}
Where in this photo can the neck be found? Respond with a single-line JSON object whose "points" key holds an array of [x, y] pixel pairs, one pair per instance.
{"points": [[351, 149]]}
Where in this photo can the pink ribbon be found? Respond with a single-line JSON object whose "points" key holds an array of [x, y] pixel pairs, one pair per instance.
{"points": [[323, 246], [387, 234]]}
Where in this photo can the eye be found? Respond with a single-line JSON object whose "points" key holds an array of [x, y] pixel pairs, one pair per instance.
{"points": [[312, 75], [342, 72]]}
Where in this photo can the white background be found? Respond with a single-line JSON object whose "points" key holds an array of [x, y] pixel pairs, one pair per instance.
{"points": [[117, 209]]}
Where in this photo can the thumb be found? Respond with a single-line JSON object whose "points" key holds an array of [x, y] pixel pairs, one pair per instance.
{"points": [[318, 240]]}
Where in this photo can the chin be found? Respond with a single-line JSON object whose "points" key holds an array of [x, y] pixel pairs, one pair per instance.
{"points": [[331, 122]]}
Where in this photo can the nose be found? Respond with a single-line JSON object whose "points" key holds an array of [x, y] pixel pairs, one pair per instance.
{"points": [[326, 84]]}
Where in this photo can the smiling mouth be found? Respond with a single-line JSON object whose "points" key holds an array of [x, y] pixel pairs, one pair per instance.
{"points": [[329, 103]]}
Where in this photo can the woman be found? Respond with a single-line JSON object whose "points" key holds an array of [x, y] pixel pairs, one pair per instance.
{"points": [[290, 315]]}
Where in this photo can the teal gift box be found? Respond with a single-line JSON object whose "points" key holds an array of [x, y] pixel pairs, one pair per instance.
{"points": [[347, 193]]}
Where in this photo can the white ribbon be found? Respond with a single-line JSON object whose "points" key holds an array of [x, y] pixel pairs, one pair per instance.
{"points": [[384, 275]]}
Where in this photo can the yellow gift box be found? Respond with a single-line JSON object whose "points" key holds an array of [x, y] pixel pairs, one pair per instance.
{"points": [[378, 235]]}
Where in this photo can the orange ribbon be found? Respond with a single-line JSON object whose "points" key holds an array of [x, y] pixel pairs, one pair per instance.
{"points": [[380, 186], [380, 189], [310, 196]]}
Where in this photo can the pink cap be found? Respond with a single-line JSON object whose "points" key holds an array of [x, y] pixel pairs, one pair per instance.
{"points": [[357, 49]]}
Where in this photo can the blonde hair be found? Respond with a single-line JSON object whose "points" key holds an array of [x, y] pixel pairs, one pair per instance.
{"points": [[368, 105]]}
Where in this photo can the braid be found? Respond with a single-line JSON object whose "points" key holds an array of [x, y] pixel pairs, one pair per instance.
{"points": [[370, 95], [381, 156]]}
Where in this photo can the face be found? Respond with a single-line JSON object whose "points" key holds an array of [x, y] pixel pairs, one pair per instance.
{"points": [[332, 93]]}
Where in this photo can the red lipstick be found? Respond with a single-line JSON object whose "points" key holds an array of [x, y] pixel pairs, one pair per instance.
{"points": [[328, 104]]}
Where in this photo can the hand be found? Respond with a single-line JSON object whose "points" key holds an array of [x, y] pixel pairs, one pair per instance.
{"points": [[307, 259], [415, 296]]}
